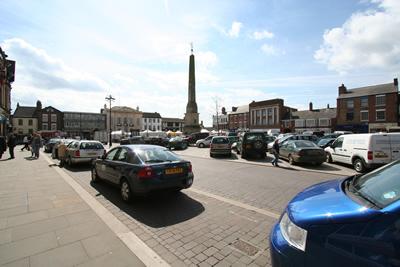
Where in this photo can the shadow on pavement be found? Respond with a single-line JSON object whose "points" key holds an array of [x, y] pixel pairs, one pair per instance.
{"points": [[79, 167], [30, 158], [156, 210]]}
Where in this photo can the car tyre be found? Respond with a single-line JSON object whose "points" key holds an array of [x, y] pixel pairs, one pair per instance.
{"points": [[95, 177], [211, 155], [244, 155], [291, 160], [201, 145], [329, 158], [125, 190], [359, 166]]}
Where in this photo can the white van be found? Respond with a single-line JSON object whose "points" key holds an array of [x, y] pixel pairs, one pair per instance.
{"points": [[365, 151]]}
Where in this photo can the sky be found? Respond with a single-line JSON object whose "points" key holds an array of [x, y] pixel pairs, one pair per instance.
{"points": [[72, 54]]}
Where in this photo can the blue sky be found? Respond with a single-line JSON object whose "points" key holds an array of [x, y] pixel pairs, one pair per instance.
{"points": [[71, 54]]}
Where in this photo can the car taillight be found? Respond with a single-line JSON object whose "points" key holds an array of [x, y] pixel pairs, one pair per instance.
{"points": [[301, 153], [145, 173], [77, 153], [189, 166], [370, 155]]}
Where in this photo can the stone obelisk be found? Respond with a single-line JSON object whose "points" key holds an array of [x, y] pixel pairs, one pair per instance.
{"points": [[191, 116]]}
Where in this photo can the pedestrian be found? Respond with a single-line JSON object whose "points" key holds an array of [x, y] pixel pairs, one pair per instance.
{"points": [[36, 144], [11, 142], [275, 151], [26, 143], [3, 145]]}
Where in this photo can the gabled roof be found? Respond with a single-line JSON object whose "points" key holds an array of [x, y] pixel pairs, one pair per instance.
{"points": [[151, 115], [240, 109], [124, 109], [370, 90], [323, 113], [51, 108], [25, 112]]}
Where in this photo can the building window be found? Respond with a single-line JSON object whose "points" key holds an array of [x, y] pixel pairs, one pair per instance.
{"points": [[310, 123], [270, 116], [258, 117], [20, 122], [264, 116], [350, 103], [30, 122], [364, 115], [299, 123], [324, 122], [349, 116], [53, 117], [119, 120], [380, 114], [45, 126], [45, 118], [380, 100], [54, 126], [364, 102]]}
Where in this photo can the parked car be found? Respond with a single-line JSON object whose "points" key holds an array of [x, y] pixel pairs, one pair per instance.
{"points": [[83, 151], [365, 151], [269, 138], [285, 138], [220, 145], [346, 222], [252, 143], [54, 153], [302, 151], [192, 139], [233, 139], [48, 147], [331, 135], [325, 142], [132, 140], [140, 169], [204, 142], [177, 143]]}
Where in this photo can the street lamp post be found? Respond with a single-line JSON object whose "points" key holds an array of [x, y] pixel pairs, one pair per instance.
{"points": [[110, 98]]}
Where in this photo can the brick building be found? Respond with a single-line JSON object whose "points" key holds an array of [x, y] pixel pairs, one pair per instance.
{"points": [[368, 109], [268, 114], [238, 118], [49, 118]]}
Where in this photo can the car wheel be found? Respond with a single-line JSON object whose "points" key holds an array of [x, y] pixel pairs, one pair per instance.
{"points": [[244, 155], [291, 160], [126, 193], [201, 145], [211, 155], [329, 158], [359, 165], [229, 155], [95, 177]]}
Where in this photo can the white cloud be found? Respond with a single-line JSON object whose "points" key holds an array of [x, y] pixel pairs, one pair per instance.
{"points": [[271, 50], [36, 68], [369, 39], [260, 35], [235, 29]]}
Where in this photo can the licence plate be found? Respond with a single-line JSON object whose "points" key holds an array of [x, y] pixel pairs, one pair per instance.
{"points": [[173, 170]]}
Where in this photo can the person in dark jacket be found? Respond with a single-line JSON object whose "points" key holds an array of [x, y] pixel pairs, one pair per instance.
{"points": [[11, 144], [275, 151], [3, 145]]}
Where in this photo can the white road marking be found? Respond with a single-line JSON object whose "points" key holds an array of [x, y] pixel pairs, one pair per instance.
{"points": [[236, 203], [148, 256], [244, 217]]}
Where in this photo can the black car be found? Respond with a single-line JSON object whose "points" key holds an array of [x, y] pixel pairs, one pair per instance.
{"points": [[48, 147], [191, 139], [302, 151], [140, 169], [252, 143], [177, 143]]}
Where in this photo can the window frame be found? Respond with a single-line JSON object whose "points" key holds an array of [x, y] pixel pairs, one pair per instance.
{"points": [[376, 114]]}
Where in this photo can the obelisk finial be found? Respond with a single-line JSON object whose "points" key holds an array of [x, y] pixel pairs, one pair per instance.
{"points": [[191, 47]]}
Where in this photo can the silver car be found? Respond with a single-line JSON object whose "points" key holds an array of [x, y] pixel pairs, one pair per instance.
{"points": [[220, 145], [204, 142], [83, 151]]}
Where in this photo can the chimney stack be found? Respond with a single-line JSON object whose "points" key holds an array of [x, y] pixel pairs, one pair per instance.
{"points": [[310, 106], [223, 111], [395, 82], [342, 89], [234, 109], [327, 106]]}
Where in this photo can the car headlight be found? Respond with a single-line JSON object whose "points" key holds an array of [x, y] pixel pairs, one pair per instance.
{"points": [[293, 234]]}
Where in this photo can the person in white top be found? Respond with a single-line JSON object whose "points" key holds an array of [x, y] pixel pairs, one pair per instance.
{"points": [[26, 143]]}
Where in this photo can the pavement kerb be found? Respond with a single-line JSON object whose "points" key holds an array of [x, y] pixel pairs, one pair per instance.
{"points": [[148, 256]]}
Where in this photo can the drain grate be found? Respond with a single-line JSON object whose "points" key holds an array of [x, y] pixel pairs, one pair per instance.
{"points": [[245, 247]]}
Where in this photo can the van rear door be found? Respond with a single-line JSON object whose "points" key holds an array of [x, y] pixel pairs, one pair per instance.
{"points": [[395, 145], [382, 152]]}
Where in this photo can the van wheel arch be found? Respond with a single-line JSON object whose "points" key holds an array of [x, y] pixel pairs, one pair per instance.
{"points": [[359, 164]]}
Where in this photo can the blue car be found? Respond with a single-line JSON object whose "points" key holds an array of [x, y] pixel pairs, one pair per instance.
{"points": [[349, 222]]}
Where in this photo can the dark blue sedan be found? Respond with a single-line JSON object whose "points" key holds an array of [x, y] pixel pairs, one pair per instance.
{"points": [[139, 169], [349, 222]]}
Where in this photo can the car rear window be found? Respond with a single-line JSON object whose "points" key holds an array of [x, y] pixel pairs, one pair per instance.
{"points": [[220, 140], [91, 146], [155, 155], [304, 144], [254, 137]]}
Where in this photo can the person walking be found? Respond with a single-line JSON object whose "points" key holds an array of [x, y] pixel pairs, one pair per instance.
{"points": [[36, 144], [3, 145], [275, 151], [11, 142], [26, 143]]}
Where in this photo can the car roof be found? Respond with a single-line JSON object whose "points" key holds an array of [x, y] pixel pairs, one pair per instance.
{"points": [[142, 147]]}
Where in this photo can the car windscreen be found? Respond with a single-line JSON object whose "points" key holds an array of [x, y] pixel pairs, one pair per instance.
{"points": [[324, 141], [156, 155], [299, 144], [91, 145], [220, 140], [382, 186]]}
